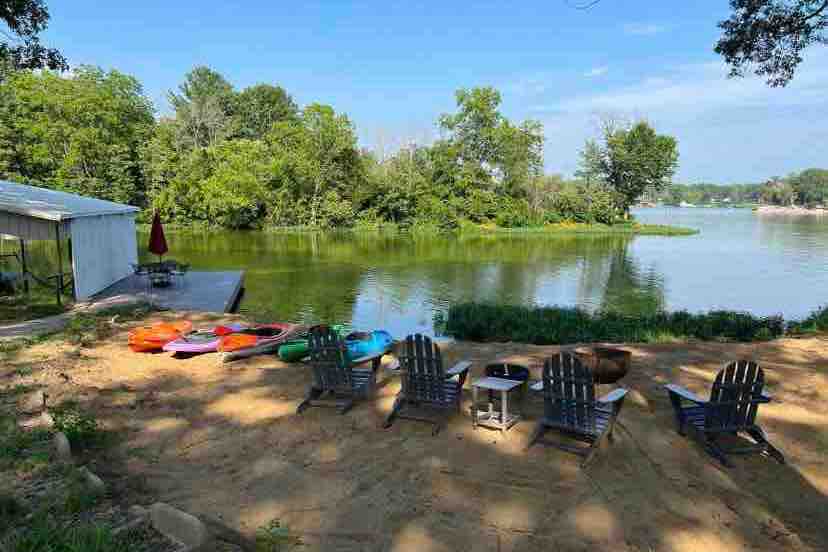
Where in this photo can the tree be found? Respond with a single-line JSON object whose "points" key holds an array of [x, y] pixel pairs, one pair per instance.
{"points": [[81, 133], [259, 106], [631, 159], [25, 20], [317, 166], [770, 36], [811, 186], [203, 108], [491, 151]]}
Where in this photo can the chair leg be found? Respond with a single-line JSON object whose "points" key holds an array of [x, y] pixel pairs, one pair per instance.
{"points": [[312, 395], [437, 427], [398, 402], [346, 406], [759, 436], [676, 401], [712, 447], [540, 429]]}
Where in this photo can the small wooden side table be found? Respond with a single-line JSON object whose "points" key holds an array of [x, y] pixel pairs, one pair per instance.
{"points": [[490, 417]]}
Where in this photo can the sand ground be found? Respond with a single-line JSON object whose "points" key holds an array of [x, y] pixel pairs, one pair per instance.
{"points": [[224, 440]]}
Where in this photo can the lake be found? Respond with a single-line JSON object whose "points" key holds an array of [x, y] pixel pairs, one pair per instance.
{"points": [[738, 261]]}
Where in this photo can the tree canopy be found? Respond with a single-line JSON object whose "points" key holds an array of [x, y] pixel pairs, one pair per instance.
{"points": [[631, 159], [769, 36], [250, 158], [25, 20]]}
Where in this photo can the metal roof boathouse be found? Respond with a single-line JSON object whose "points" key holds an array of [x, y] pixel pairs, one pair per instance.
{"points": [[101, 234]]}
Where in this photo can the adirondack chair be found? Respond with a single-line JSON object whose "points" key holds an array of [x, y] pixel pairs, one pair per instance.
{"points": [[569, 406], [335, 374], [425, 383], [734, 400]]}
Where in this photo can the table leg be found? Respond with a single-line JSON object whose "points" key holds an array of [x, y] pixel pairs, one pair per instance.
{"points": [[474, 407], [504, 414]]}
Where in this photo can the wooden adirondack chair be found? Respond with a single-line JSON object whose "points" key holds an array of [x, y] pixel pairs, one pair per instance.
{"points": [[335, 374], [569, 406], [734, 400], [425, 383]]}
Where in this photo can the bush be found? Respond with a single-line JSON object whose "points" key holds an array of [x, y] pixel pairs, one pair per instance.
{"points": [[79, 427], [556, 325]]}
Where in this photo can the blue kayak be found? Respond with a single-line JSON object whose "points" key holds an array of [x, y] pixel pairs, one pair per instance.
{"points": [[362, 344]]}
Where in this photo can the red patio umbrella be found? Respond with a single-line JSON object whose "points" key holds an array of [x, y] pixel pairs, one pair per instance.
{"points": [[157, 240]]}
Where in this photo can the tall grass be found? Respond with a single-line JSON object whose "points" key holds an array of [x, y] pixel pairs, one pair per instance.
{"points": [[556, 325]]}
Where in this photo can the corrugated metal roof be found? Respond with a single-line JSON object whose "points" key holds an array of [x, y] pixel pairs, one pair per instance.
{"points": [[47, 204]]}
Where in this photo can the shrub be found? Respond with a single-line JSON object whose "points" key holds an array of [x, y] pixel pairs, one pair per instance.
{"points": [[79, 427], [557, 325]]}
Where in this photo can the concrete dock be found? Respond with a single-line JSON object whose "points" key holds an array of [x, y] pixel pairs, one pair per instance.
{"points": [[195, 291]]}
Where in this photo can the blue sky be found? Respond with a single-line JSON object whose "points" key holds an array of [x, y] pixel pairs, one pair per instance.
{"points": [[393, 67]]}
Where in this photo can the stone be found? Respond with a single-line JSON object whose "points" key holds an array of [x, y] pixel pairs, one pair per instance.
{"points": [[179, 526], [63, 450], [138, 512], [92, 481], [33, 402]]}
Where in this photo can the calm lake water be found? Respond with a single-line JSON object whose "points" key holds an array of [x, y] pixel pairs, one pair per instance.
{"points": [[739, 261]]}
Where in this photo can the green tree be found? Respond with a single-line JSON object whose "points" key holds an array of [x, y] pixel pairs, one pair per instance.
{"points": [[770, 36], [259, 106], [316, 163], [491, 151], [630, 160], [25, 20], [203, 108], [81, 133], [811, 186]]}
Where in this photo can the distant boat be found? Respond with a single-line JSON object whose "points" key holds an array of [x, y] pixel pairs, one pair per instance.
{"points": [[685, 204]]}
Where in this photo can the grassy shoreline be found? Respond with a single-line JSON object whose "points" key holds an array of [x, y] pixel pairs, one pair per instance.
{"points": [[628, 229], [563, 325]]}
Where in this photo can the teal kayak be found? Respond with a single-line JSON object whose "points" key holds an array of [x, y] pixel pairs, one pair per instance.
{"points": [[359, 344]]}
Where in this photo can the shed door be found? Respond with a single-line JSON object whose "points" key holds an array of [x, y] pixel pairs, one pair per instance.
{"points": [[103, 251]]}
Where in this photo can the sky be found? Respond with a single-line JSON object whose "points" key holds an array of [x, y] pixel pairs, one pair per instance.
{"points": [[393, 67]]}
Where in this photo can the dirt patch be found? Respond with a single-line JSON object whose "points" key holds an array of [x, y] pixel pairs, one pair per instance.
{"points": [[223, 440]]}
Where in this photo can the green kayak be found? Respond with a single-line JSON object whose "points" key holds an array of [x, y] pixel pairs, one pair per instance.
{"points": [[297, 349]]}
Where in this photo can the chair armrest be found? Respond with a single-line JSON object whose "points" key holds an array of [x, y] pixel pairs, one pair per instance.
{"points": [[614, 396], [684, 393], [458, 368], [366, 359]]}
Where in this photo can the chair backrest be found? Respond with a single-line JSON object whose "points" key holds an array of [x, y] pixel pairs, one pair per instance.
{"points": [[735, 397], [329, 359], [568, 393], [421, 369]]}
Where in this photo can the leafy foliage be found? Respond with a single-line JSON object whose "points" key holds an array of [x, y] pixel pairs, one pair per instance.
{"points": [[631, 160], [770, 36], [555, 325], [79, 427], [25, 20], [80, 134]]}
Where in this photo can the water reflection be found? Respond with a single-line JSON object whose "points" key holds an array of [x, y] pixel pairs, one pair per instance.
{"points": [[400, 283]]}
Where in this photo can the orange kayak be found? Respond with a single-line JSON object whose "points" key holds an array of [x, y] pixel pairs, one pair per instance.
{"points": [[266, 338], [153, 338]]}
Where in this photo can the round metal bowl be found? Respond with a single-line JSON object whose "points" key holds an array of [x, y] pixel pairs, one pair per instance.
{"points": [[607, 364]]}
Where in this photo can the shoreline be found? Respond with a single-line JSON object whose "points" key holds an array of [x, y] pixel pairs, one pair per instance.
{"points": [[790, 211], [560, 228]]}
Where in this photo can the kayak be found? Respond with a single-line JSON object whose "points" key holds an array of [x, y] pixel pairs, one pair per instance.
{"points": [[153, 338], [362, 344], [256, 340], [359, 344], [202, 341]]}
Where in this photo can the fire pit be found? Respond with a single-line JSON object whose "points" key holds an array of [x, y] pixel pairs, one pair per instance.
{"points": [[607, 364]]}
